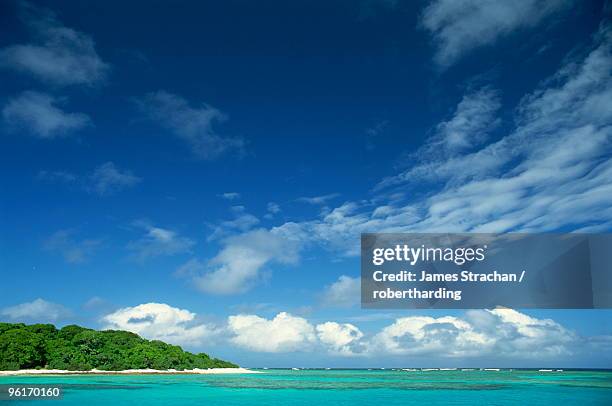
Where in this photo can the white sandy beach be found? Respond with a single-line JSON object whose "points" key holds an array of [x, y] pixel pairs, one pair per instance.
{"points": [[195, 371]]}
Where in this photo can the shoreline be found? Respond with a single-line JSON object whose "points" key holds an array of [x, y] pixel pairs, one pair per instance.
{"points": [[195, 371]]}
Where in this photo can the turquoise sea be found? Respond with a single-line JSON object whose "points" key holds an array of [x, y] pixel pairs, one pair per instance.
{"points": [[333, 387]]}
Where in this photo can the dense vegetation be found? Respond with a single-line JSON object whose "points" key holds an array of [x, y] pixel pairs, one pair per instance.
{"points": [[78, 348]]}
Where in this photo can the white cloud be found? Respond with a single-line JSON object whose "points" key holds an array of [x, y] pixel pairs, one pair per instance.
{"points": [[375, 132], [191, 268], [107, 179], [273, 208], [459, 26], [281, 334], [74, 250], [469, 127], [56, 176], [340, 338], [559, 152], [38, 310], [318, 200], [422, 335], [157, 242], [59, 55], [236, 268], [192, 124], [551, 171], [339, 229], [500, 332], [477, 334], [242, 222], [94, 302], [230, 195], [159, 321], [38, 114], [345, 292]]}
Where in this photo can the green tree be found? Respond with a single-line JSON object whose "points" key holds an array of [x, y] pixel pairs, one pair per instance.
{"points": [[78, 348]]}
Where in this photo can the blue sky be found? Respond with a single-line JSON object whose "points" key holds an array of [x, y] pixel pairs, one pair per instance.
{"points": [[201, 173]]}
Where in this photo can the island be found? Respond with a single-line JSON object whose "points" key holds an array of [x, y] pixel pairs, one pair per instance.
{"points": [[41, 348]]}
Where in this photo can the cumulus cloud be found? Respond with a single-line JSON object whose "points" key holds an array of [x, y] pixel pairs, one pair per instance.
{"points": [[500, 332], [345, 292], [281, 334], [38, 114], [159, 321], [459, 26], [477, 334], [107, 179], [38, 310], [422, 335], [74, 250], [341, 339], [158, 241], [194, 125], [58, 55]]}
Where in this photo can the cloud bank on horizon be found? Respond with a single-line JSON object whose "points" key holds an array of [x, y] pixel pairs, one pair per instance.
{"points": [[478, 334], [531, 155]]}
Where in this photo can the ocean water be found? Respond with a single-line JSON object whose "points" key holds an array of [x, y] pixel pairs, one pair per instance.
{"points": [[332, 387]]}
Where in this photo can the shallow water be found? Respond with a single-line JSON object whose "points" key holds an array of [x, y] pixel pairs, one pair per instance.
{"points": [[333, 387]]}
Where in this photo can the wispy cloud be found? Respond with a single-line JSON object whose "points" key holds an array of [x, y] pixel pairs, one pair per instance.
{"points": [[73, 249], [230, 195], [473, 120], [157, 242], [238, 266], [272, 208], [345, 292], [375, 132], [58, 55], [107, 179], [241, 222], [559, 152], [459, 26], [194, 125], [56, 176], [551, 170], [38, 310], [318, 200], [38, 114]]}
